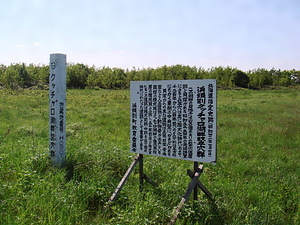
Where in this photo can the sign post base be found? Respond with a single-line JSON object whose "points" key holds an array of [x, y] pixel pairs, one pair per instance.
{"points": [[194, 185], [137, 159]]}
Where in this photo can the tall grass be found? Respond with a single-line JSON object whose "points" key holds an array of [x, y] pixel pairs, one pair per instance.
{"points": [[255, 180]]}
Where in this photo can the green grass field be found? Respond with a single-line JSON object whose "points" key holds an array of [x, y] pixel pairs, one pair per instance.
{"points": [[255, 181]]}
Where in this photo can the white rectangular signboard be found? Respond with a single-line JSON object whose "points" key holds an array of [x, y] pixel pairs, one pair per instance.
{"points": [[174, 119], [57, 109]]}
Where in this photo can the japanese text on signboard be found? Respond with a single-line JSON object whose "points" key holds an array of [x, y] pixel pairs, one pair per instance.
{"points": [[175, 119]]}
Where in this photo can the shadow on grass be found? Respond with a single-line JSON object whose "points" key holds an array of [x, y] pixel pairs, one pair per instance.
{"points": [[70, 171], [76, 171], [218, 213], [202, 212]]}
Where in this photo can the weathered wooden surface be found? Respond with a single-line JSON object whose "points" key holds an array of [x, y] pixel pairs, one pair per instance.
{"points": [[138, 159], [201, 186], [124, 179], [186, 196], [192, 186], [196, 165], [141, 171]]}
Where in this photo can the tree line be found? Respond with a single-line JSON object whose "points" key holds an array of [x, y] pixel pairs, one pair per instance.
{"points": [[82, 76]]}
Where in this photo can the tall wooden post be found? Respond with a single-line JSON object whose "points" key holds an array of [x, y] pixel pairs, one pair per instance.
{"points": [[141, 171], [196, 165], [57, 109]]}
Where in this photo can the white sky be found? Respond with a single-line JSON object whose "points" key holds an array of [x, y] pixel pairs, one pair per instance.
{"points": [[246, 34]]}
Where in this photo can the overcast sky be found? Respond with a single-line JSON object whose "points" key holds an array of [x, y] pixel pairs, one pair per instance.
{"points": [[246, 34]]}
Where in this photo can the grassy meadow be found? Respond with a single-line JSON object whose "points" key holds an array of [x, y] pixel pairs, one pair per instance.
{"points": [[255, 181]]}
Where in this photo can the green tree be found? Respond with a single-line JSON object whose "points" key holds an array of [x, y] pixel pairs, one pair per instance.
{"points": [[2, 71], [33, 72], [181, 72], [202, 73], [145, 74], [224, 76], [281, 78], [39, 74], [92, 78], [260, 77], [110, 78], [77, 75], [159, 73], [16, 76], [120, 78], [240, 78], [43, 74], [132, 75], [106, 78]]}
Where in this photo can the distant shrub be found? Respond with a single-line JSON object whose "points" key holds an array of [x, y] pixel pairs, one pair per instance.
{"points": [[82, 76]]}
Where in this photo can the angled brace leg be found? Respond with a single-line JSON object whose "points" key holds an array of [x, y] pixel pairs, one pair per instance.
{"points": [[200, 185], [124, 179], [186, 196]]}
